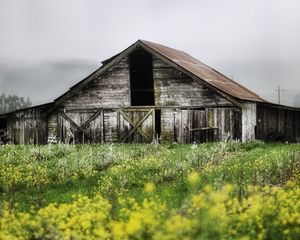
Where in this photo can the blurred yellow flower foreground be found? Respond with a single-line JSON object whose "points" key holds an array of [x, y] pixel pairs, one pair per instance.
{"points": [[209, 214], [206, 191]]}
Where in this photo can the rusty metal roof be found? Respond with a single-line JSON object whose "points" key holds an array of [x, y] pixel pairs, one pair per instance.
{"points": [[204, 72]]}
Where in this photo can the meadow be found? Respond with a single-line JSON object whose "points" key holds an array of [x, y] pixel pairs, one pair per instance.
{"points": [[155, 191]]}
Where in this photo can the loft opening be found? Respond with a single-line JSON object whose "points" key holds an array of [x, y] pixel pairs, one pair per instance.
{"points": [[3, 123], [141, 78]]}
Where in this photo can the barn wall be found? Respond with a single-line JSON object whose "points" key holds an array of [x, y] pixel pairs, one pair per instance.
{"points": [[248, 121], [62, 129], [201, 125], [27, 126], [174, 88], [52, 128], [110, 126], [228, 121], [110, 90], [281, 120]]}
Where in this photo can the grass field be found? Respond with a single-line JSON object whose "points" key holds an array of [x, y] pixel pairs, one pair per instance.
{"points": [[155, 191]]}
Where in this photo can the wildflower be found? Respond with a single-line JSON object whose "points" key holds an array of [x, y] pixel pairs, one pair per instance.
{"points": [[193, 178], [134, 224], [118, 230], [149, 187]]}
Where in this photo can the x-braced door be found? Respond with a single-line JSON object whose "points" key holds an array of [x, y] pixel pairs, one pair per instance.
{"points": [[136, 125], [84, 127]]}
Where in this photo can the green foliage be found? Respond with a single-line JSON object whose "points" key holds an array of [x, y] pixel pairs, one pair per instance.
{"points": [[207, 191], [12, 102]]}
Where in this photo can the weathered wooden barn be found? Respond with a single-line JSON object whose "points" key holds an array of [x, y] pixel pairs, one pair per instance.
{"points": [[152, 92]]}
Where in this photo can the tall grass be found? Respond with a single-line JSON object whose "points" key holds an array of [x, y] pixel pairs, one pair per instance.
{"points": [[189, 184]]}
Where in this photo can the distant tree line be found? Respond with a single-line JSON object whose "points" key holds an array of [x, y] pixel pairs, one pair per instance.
{"points": [[10, 103]]}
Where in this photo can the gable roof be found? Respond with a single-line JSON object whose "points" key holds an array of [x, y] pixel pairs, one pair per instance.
{"points": [[179, 59], [204, 72]]}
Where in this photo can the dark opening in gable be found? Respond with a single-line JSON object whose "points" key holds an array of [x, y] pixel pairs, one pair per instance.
{"points": [[2, 123], [141, 78]]}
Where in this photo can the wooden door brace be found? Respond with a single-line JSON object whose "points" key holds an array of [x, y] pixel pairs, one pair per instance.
{"points": [[86, 124], [77, 126], [136, 127]]}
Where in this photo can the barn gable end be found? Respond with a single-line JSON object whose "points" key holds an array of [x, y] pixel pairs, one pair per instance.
{"points": [[109, 90], [175, 88], [174, 94]]}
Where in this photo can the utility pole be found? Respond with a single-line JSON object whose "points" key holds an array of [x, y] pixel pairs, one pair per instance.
{"points": [[279, 90]]}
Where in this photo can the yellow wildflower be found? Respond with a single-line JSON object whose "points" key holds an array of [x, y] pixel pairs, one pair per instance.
{"points": [[149, 187], [193, 178], [134, 224]]}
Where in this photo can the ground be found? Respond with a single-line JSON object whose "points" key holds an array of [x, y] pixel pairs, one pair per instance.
{"points": [[154, 191]]}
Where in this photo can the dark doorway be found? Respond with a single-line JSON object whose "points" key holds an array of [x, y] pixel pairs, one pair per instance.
{"points": [[3, 126], [157, 123], [2, 123], [141, 78]]}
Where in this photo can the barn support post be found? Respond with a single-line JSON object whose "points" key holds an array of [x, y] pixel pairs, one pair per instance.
{"points": [[248, 121]]}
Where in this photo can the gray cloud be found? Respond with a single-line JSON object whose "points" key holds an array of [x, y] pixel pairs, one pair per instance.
{"points": [[297, 100], [45, 81], [255, 41]]}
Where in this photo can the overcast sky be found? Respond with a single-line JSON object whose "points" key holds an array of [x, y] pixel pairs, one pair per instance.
{"points": [[46, 46]]}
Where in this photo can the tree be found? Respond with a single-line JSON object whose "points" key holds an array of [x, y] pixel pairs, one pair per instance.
{"points": [[13, 102]]}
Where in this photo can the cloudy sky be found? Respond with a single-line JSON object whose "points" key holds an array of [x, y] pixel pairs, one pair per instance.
{"points": [[48, 45]]}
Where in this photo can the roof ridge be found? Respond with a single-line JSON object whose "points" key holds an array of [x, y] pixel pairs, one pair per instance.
{"points": [[210, 76]]}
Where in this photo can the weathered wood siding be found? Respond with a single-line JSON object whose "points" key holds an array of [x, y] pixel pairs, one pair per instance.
{"points": [[175, 95], [174, 88], [27, 126], [228, 121], [282, 120], [248, 121], [201, 125], [61, 128], [110, 90], [110, 126], [140, 118], [52, 128]]}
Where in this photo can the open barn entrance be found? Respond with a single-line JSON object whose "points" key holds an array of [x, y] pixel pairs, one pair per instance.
{"points": [[2, 123], [141, 78], [3, 126]]}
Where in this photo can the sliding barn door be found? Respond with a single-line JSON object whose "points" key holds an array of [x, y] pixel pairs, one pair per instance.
{"points": [[81, 127], [136, 125]]}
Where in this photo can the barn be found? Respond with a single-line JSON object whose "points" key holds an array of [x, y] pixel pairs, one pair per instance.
{"points": [[150, 92]]}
